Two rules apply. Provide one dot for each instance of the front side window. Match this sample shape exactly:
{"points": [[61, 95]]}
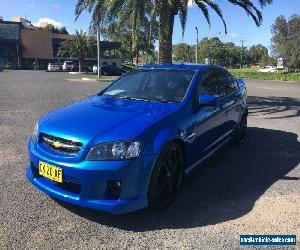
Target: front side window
{"points": [[227, 82], [210, 83], [152, 85]]}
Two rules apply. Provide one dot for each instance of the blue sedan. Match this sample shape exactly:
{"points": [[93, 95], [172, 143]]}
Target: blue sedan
{"points": [[129, 146]]}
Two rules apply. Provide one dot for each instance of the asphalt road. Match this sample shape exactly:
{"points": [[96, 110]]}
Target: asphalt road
{"points": [[248, 189]]}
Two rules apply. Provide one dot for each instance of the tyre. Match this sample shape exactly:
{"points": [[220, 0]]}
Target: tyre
{"points": [[241, 129], [166, 176]]}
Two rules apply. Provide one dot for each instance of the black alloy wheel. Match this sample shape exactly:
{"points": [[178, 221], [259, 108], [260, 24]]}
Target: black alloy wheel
{"points": [[166, 176]]}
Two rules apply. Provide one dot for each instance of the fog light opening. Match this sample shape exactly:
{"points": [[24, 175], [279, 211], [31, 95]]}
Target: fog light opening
{"points": [[114, 189]]}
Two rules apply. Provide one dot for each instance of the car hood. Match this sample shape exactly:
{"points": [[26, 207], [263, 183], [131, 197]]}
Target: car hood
{"points": [[99, 119]]}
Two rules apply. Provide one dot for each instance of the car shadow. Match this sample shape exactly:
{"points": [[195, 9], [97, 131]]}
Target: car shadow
{"points": [[223, 189]]}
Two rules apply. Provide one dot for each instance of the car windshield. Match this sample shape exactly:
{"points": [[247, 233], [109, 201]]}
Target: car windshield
{"points": [[152, 85]]}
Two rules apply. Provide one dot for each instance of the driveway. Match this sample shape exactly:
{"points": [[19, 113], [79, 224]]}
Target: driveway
{"points": [[248, 189]]}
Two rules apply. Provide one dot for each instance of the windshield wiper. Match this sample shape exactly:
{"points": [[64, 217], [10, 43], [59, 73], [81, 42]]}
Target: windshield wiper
{"points": [[161, 100], [124, 97], [140, 98]]}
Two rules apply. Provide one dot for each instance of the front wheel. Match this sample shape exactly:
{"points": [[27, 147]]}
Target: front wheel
{"points": [[166, 176]]}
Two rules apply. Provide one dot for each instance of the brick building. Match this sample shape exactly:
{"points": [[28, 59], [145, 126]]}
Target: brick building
{"points": [[22, 44]]}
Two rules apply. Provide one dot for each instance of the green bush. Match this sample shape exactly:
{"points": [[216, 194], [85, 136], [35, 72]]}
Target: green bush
{"points": [[282, 76]]}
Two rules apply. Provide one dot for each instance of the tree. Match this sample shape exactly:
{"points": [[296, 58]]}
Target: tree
{"points": [[257, 53], [78, 45], [184, 53], [133, 43], [135, 12], [50, 27], [213, 49], [63, 30], [166, 10], [232, 55], [228, 54], [286, 40]]}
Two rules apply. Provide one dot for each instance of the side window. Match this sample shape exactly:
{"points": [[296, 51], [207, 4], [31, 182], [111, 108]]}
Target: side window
{"points": [[228, 83], [209, 83]]}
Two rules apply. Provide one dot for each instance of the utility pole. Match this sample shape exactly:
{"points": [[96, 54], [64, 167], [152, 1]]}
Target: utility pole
{"points": [[241, 65], [197, 32], [98, 50]]}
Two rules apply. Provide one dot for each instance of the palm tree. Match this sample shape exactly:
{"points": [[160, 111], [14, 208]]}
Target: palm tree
{"points": [[166, 10], [112, 11], [78, 45]]}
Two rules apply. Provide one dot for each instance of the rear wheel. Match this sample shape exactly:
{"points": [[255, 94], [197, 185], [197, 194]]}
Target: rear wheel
{"points": [[241, 130], [166, 176]]}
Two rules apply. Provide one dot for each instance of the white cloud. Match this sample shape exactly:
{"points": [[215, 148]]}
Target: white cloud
{"points": [[57, 6], [50, 21], [191, 3], [234, 35], [31, 5]]}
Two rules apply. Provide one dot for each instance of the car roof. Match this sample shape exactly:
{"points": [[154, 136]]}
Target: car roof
{"points": [[174, 66]]}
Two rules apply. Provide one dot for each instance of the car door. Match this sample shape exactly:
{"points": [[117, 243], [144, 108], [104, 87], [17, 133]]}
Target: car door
{"points": [[230, 101], [209, 120]]}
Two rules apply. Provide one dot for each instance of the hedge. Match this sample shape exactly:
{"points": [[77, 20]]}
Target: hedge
{"points": [[282, 76]]}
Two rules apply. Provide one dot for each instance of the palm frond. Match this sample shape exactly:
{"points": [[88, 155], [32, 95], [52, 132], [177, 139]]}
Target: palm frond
{"points": [[204, 10], [250, 9], [183, 11], [217, 9], [98, 12], [264, 3], [81, 6]]}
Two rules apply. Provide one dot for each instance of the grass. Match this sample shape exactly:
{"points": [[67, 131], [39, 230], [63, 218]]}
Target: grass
{"points": [[254, 74]]}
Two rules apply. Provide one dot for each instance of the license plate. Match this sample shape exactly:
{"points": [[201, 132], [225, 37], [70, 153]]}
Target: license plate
{"points": [[51, 172]]}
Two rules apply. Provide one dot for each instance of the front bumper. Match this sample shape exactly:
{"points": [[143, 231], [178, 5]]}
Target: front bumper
{"points": [[85, 183]]}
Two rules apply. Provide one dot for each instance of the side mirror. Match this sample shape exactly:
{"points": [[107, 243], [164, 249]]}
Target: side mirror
{"points": [[208, 100]]}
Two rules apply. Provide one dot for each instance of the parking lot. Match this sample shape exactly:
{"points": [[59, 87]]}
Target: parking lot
{"points": [[248, 189]]}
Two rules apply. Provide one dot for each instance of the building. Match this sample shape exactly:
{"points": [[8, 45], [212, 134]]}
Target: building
{"points": [[25, 23], [36, 48], [22, 45], [10, 46]]}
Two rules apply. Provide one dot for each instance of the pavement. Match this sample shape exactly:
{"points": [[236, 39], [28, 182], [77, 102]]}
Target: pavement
{"points": [[248, 189]]}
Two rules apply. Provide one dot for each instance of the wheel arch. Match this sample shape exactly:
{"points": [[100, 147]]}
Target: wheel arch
{"points": [[165, 138]]}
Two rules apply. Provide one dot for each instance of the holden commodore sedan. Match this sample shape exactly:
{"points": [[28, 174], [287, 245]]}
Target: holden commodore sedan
{"points": [[129, 146]]}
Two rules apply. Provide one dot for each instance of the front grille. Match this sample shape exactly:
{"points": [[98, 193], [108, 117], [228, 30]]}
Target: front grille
{"points": [[60, 145]]}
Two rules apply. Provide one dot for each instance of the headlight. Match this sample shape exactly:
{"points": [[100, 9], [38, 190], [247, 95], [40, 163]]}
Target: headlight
{"points": [[35, 132], [114, 151]]}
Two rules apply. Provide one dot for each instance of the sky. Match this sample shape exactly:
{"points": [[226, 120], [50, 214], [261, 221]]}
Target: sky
{"points": [[240, 26]]}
